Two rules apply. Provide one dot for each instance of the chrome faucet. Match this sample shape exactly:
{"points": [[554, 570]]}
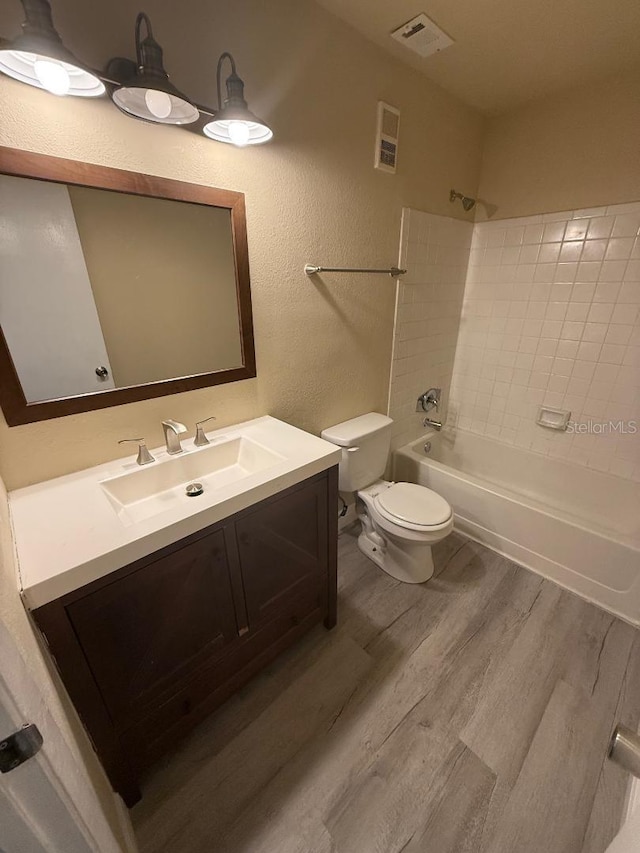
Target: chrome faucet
{"points": [[427, 401], [172, 432]]}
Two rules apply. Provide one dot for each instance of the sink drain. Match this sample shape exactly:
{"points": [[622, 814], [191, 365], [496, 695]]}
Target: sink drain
{"points": [[194, 489]]}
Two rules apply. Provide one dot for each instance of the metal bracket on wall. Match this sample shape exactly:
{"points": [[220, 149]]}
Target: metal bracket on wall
{"points": [[394, 272]]}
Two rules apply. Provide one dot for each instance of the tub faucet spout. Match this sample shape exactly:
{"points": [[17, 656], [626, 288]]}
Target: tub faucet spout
{"points": [[437, 425]]}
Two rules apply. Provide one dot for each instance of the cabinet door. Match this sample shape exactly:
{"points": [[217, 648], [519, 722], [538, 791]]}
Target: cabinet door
{"points": [[144, 632], [283, 551]]}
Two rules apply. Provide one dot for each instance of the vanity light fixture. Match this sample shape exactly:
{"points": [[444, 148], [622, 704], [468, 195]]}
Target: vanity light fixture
{"points": [[141, 89], [146, 91], [39, 58], [234, 122]]}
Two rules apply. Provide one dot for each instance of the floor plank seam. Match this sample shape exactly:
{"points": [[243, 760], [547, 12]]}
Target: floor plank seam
{"points": [[400, 722], [464, 544], [602, 645], [387, 627], [342, 707], [595, 791], [464, 645], [486, 811], [486, 837], [534, 602]]}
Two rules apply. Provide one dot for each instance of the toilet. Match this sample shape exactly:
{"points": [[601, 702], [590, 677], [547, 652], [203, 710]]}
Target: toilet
{"points": [[400, 521]]}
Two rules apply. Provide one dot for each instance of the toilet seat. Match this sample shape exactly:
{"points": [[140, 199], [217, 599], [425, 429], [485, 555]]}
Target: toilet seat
{"points": [[413, 507]]}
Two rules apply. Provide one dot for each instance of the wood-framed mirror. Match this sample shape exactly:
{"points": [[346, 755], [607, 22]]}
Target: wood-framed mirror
{"points": [[116, 287]]}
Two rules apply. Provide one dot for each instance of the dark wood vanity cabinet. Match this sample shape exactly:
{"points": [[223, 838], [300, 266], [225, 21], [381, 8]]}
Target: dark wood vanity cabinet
{"points": [[148, 651]]}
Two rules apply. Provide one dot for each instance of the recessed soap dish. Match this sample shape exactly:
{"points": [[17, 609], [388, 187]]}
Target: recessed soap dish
{"points": [[553, 418]]}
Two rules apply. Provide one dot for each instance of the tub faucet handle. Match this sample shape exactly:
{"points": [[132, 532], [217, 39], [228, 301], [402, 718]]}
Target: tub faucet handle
{"points": [[429, 400]]}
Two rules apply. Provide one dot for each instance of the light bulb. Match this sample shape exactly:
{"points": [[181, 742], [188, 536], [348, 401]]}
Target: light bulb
{"points": [[158, 103], [53, 76], [239, 132]]}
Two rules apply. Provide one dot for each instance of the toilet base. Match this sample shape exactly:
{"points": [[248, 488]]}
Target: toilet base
{"points": [[409, 564]]}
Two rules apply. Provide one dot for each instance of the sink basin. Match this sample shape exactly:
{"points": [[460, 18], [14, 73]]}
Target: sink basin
{"points": [[145, 492], [76, 529]]}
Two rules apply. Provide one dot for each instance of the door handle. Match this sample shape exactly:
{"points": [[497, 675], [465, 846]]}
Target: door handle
{"points": [[102, 372], [19, 747]]}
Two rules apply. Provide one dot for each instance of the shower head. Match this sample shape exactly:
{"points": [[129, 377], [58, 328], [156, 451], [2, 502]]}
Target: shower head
{"points": [[467, 202]]}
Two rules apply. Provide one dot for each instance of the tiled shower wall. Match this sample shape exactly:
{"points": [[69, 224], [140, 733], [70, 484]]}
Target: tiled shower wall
{"points": [[435, 252], [551, 315]]}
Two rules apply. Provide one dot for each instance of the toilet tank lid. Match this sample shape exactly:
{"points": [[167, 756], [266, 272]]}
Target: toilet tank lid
{"points": [[350, 433]]}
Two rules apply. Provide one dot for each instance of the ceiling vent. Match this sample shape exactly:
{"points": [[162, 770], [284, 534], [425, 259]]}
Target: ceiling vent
{"points": [[422, 36]]}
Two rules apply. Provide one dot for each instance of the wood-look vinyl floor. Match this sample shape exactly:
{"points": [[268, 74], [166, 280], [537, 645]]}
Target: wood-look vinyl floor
{"points": [[470, 714]]}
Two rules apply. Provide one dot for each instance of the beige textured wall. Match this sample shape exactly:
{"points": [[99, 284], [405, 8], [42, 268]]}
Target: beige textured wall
{"points": [[577, 149], [93, 804], [163, 279], [323, 348]]}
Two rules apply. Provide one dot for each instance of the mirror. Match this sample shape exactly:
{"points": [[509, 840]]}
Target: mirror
{"points": [[116, 287]]}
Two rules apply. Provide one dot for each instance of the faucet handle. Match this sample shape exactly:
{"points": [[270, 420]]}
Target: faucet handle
{"points": [[429, 400], [144, 457], [201, 439]]}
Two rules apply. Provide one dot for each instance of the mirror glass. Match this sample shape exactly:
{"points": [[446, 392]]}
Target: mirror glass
{"points": [[105, 290]]}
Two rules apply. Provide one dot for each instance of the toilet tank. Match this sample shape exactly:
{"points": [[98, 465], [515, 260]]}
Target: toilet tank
{"points": [[365, 443]]}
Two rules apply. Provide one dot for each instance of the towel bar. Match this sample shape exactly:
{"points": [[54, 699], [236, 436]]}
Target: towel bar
{"points": [[394, 272]]}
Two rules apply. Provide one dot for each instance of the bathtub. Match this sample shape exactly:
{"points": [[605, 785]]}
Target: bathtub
{"points": [[573, 525]]}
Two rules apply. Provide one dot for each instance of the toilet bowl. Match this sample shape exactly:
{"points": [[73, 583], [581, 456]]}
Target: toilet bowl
{"points": [[400, 521]]}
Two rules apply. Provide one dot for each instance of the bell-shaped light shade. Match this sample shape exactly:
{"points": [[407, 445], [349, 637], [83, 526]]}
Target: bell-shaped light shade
{"points": [[154, 104], [39, 58], [234, 122], [240, 131], [149, 94]]}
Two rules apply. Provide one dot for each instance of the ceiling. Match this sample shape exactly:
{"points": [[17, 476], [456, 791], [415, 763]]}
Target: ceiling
{"points": [[507, 52]]}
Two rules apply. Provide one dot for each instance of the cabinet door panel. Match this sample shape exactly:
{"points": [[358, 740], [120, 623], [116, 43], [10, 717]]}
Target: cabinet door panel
{"points": [[210, 685], [145, 631], [283, 550]]}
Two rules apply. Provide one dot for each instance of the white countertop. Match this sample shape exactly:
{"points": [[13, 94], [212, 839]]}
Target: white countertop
{"points": [[67, 533]]}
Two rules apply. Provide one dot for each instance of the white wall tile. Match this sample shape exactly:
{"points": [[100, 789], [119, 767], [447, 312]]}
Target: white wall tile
{"points": [[551, 313], [600, 227]]}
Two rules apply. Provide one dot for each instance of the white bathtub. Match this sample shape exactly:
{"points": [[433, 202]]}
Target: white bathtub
{"points": [[576, 526]]}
